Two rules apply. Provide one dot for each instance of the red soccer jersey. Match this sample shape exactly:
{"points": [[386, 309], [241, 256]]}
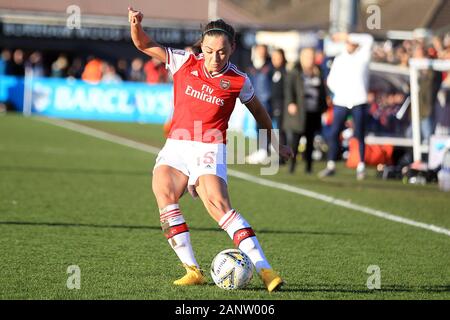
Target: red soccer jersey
{"points": [[203, 102]]}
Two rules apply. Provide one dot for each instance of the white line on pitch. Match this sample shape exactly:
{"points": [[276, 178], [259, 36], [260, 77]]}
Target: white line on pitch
{"points": [[244, 176]]}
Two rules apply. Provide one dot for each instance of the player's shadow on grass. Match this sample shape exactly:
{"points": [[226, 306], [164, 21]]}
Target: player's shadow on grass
{"points": [[379, 184], [339, 288], [158, 228], [89, 171]]}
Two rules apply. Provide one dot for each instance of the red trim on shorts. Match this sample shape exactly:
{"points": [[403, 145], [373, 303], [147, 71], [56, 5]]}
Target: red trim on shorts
{"points": [[242, 234], [174, 230]]}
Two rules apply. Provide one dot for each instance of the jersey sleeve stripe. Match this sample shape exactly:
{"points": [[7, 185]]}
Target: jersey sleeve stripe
{"points": [[252, 97], [167, 58], [234, 68]]}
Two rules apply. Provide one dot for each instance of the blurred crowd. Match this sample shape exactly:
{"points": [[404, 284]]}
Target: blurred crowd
{"points": [[399, 52], [296, 96], [92, 69], [302, 107], [387, 116]]}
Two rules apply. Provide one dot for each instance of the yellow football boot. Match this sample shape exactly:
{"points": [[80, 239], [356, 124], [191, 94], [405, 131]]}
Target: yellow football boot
{"points": [[194, 276], [271, 279]]}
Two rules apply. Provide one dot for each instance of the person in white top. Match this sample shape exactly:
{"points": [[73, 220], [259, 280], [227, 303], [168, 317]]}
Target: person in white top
{"points": [[348, 81]]}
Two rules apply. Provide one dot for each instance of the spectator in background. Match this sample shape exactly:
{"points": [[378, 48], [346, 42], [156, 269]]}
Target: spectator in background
{"points": [[446, 45], [260, 74], [408, 45], [383, 109], [305, 100], [18, 66], [321, 60], [348, 81], [5, 62], [75, 70], [443, 106], [92, 70], [402, 57], [109, 74], [429, 83], [59, 67], [34, 65], [155, 71], [5, 68], [122, 69], [277, 99], [137, 70]]}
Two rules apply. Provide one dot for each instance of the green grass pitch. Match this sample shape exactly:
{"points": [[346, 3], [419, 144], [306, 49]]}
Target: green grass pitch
{"points": [[70, 199]]}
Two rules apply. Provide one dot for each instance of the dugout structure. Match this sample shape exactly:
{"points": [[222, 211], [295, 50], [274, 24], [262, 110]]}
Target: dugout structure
{"points": [[412, 103]]}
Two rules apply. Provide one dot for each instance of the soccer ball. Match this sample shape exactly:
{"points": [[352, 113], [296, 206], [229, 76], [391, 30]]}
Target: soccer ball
{"points": [[231, 269]]}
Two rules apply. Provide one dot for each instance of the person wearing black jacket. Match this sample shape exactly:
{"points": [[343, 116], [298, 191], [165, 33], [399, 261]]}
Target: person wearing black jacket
{"points": [[305, 101], [277, 98]]}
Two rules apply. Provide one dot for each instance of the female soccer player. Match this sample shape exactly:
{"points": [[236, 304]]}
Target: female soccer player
{"points": [[206, 87]]}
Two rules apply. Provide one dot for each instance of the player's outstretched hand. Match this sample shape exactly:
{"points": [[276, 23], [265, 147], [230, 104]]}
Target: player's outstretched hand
{"points": [[286, 152], [134, 16]]}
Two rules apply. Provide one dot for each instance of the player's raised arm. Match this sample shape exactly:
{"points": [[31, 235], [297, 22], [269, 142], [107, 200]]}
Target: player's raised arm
{"points": [[141, 40]]}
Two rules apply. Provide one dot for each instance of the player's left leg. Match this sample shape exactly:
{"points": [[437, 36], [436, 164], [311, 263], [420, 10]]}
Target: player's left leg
{"points": [[359, 114], [214, 193], [313, 125], [294, 142]]}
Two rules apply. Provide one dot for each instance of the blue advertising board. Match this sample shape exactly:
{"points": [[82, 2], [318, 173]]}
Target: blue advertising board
{"points": [[11, 91], [125, 101], [75, 99]]}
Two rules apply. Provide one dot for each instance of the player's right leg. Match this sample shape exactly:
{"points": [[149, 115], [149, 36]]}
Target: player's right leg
{"points": [[213, 192], [339, 116], [168, 186], [359, 114]]}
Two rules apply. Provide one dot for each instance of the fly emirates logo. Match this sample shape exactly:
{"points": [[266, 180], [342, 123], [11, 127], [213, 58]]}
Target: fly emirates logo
{"points": [[205, 95]]}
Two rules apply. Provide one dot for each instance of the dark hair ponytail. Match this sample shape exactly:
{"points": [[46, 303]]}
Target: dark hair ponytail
{"points": [[216, 28]]}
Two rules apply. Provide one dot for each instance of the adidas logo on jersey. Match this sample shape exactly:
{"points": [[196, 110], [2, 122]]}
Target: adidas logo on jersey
{"points": [[195, 73]]}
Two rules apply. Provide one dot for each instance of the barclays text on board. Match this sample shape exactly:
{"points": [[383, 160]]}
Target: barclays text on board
{"points": [[77, 99], [121, 102], [126, 101]]}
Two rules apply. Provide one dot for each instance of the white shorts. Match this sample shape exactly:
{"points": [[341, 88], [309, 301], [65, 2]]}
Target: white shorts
{"points": [[194, 159]]}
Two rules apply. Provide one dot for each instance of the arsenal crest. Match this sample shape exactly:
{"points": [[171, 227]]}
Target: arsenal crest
{"points": [[225, 84]]}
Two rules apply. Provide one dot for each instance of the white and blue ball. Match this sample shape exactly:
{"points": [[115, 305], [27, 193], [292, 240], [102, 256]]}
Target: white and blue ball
{"points": [[231, 269]]}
